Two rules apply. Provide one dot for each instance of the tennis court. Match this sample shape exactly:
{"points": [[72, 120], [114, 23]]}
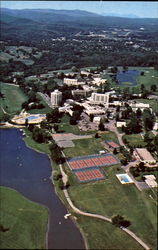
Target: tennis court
{"points": [[89, 175], [112, 144], [92, 161]]}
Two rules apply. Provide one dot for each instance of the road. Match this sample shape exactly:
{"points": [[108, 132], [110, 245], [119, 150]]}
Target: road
{"points": [[111, 126], [105, 218]]}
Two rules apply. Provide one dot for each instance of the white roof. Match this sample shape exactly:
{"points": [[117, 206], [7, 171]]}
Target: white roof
{"points": [[96, 119], [151, 183], [155, 126], [145, 154], [150, 177]]}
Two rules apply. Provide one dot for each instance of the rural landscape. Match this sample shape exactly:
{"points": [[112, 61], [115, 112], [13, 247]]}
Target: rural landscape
{"points": [[78, 130]]}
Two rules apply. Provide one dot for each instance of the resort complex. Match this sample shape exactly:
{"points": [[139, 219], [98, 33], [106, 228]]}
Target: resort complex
{"points": [[78, 128]]}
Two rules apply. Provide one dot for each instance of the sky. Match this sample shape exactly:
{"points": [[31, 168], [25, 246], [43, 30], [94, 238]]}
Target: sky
{"points": [[138, 8]]}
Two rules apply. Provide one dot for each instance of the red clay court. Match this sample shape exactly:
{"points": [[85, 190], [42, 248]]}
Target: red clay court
{"points": [[89, 175], [92, 161], [112, 144]]}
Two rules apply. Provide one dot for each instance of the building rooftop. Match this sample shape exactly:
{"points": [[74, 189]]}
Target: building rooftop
{"points": [[145, 154]]}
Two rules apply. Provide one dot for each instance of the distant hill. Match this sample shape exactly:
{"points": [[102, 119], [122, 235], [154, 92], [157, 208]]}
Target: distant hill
{"points": [[120, 15], [39, 24]]}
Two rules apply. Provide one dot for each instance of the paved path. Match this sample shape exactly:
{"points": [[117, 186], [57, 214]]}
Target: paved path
{"points": [[129, 232], [77, 210], [139, 184], [111, 126], [46, 98]]}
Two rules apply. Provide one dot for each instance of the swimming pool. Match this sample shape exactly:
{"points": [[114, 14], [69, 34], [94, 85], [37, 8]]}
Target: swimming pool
{"points": [[32, 117], [128, 76], [124, 178]]}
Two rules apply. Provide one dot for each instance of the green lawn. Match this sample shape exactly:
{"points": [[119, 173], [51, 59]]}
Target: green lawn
{"points": [[89, 146], [41, 147], [109, 198], [13, 98], [25, 220], [135, 140], [102, 235], [150, 77], [45, 110]]}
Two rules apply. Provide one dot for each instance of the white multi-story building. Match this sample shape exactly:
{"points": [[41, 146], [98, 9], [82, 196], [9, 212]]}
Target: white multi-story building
{"points": [[56, 98], [97, 98], [72, 82]]}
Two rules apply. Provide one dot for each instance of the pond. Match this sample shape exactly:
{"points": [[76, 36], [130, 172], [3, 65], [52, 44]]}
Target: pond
{"points": [[28, 172], [129, 76]]}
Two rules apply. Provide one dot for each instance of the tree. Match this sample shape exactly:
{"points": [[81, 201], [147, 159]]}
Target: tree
{"points": [[53, 116], [74, 69], [61, 184], [101, 126], [142, 88], [56, 127], [148, 119], [134, 126], [96, 135], [119, 221], [26, 122], [91, 117], [153, 87], [56, 153], [138, 112]]}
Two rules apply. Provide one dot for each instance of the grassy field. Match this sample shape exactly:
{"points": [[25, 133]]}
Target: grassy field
{"points": [[25, 220], [13, 98], [45, 110], [109, 198], [134, 140], [89, 146], [102, 235], [41, 147], [150, 77]]}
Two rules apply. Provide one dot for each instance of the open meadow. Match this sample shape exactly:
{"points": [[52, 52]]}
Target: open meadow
{"points": [[23, 222]]}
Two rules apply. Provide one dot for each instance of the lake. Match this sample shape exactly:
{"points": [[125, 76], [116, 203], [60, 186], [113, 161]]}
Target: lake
{"points": [[128, 76], [24, 170]]}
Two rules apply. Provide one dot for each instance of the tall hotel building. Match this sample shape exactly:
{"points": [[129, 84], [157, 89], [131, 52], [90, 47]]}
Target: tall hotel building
{"points": [[56, 98], [97, 98]]}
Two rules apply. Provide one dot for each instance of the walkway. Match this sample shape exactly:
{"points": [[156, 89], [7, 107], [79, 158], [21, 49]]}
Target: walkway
{"points": [[77, 210], [139, 184], [111, 126]]}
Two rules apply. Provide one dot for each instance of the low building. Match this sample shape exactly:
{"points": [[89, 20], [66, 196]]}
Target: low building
{"points": [[97, 119], [155, 126], [144, 155], [79, 92], [72, 82], [98, 81], [150, 180], [56, 98], [120, 124], [142, 106]]}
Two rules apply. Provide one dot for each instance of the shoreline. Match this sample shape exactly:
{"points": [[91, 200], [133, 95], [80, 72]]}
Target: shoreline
{"points": [[67, 207]]}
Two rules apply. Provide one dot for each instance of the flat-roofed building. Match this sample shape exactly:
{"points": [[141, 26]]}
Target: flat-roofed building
{"points": [[72, 82], [97, 98], [56, 98], [150, 180], [120, 124], [142, 106], [155, 126], [144, 155]]}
